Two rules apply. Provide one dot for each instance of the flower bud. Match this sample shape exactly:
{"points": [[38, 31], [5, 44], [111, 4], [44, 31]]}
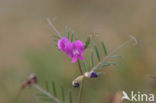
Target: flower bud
{"points": [[76, 82], [32, 79], [91, 74]]}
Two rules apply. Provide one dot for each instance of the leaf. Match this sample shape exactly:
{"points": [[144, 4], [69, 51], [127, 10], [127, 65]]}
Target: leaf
{"points": [[47, 85], [99, 73], [55, 36], [104, 64], [92, 59], [115, 56], [104, 48], [87, 43], [63, 95], [55, 40], [42, 95], [85, 67], [100, 67], [68, 35], [97, 53], [72, 35], [45, 95], [47, 99], [54, 88], [65, 30], [70, 97], [108, 63]]}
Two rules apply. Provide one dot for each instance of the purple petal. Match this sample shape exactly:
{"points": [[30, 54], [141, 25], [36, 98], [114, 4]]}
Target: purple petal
{"points": [[62, 43], [76, 85], [80, 58], [73, 50], [79, 45], [69, 50], [93, 75], [74, 59]]}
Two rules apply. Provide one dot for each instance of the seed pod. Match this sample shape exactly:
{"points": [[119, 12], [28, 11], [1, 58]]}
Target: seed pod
{"points": [[32, 79], [91, 74], [76, 82]]}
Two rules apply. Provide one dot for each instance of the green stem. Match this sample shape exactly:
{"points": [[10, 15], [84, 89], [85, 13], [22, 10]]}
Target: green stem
{"points": [[80, 69], [81, 85], [18, 95], [80, 92], [53, 27], [115, 50], [46, 93]]}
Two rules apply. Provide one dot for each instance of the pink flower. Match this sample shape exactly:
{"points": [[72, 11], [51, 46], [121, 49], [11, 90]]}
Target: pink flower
{"points": [[62, 43], [73, 50]]}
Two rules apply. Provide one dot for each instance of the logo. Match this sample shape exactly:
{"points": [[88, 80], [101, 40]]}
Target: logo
{"points": [[137, 97]]}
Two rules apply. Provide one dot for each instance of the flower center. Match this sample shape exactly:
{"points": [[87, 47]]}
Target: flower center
{"points": [[75, 51]]}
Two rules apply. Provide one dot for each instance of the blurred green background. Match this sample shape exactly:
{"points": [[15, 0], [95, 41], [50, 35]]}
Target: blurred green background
{"points": [[26, 45]]}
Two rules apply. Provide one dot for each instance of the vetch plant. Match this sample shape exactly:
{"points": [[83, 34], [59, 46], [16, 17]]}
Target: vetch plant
{"points": [[75, 49]]}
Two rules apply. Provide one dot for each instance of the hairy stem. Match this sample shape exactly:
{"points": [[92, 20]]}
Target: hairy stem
{"points": [[115, 50], [80, 69], [53, 27], [18, 95], [80, 92], [46, 93], [81, 85]]}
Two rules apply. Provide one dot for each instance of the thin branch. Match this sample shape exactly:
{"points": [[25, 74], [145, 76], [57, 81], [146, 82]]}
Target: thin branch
{"points": [[46, 93], [18, 95], [81, 87], [32, 79], [115, 50], [80, 69], [53, 27], [80, 92]]}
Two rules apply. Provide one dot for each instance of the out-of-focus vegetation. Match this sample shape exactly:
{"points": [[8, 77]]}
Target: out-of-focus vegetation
{"points": [[26, 45]]}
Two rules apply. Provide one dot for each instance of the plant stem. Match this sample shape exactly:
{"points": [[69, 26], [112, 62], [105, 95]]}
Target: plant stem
{"points": [[18, 95], [46, 93], [80, 92], [53, 27], [80, 69], [81, 85], [115, 50]]}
